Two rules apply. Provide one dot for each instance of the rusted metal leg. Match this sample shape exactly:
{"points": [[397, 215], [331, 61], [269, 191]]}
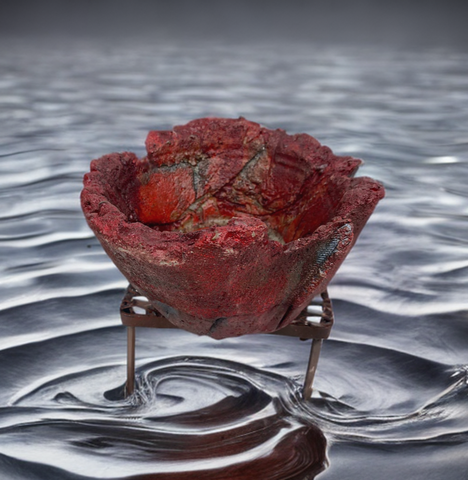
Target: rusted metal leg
{"points": [[130, 386], [301, 328], [311, 367]]}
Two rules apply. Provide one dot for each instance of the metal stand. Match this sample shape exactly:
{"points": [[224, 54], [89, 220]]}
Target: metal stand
{"points": [[301, 328]]}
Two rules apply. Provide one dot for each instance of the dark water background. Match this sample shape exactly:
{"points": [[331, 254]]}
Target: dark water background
{"points": [[391, 397]]}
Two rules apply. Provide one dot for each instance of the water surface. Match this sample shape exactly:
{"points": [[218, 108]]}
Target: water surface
{"points": [[391, 389]]}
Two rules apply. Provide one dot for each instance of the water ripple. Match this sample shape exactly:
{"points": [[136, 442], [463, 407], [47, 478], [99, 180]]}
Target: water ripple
{"points": [[189, 416], [391, 382]]}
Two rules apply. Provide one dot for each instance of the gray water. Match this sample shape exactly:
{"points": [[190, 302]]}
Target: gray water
{"points": [[391, 398]]}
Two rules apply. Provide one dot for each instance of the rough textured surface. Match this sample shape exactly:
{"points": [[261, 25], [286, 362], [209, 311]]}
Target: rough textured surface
{"points": [[227, 227]]}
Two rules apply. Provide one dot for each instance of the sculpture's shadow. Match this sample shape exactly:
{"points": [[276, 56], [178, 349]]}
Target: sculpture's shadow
{"points": [[213, 419]]}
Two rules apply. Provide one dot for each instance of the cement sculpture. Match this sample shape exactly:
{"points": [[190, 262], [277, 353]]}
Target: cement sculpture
{"points": [[227, 227]]}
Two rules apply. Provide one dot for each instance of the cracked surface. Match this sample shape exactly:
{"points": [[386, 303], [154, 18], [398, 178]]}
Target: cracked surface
{"points": [[206, 172], [228, 227]]}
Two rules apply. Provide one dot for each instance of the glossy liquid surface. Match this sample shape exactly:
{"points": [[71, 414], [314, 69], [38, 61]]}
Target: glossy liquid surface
{"points": [[391, 388]]}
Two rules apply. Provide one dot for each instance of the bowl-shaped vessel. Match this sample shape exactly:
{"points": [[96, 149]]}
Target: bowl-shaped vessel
{"points": [[226, 226]]}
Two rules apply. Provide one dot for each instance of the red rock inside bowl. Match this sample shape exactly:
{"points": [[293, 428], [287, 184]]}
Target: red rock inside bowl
{"points": [[228, 227]]}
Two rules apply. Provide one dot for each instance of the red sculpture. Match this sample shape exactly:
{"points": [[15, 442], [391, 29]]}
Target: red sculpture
{"points": [[227, 227]]}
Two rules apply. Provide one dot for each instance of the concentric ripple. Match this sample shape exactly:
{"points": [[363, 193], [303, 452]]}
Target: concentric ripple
{"points": [[391, 386], [189, 418]]}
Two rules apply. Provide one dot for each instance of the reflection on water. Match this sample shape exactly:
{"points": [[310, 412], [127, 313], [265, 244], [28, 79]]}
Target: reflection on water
{"points": [[195, 417], [391, 388]]}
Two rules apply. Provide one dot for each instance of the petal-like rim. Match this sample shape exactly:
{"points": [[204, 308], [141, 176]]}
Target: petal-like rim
{"points": [[314, 257]]}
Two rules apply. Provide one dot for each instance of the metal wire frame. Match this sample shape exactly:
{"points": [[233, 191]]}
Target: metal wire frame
{"points": [[300, 328]]}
